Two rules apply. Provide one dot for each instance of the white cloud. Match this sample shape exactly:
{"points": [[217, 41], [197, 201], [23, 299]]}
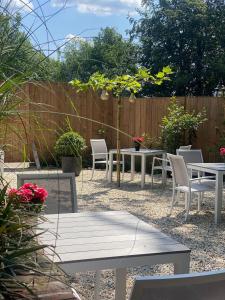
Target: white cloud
{"points": [[72, 37], [20, 5], [101, 7]]}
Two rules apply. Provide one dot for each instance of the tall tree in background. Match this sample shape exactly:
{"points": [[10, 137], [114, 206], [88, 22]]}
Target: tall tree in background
{"points": [[188, 35], [108, 53], [17, 54]]}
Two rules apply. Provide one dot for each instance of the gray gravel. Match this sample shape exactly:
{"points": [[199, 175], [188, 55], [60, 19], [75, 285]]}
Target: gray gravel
{"points": [[206, 240]]}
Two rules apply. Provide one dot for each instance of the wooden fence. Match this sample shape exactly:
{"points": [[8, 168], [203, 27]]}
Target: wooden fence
{"points": [[49, 105]]}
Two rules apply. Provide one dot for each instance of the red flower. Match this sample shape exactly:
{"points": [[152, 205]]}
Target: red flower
{"points": [[138, 139], [29, 193], [222, 151], [41, 194]]}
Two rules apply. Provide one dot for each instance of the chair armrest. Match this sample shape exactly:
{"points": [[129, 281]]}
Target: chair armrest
{"points": [[161, 159], [199, 178]]}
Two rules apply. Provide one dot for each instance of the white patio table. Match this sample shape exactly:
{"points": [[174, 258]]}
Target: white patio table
{"points": [[94, 241], [143, 153], [219, 170]]}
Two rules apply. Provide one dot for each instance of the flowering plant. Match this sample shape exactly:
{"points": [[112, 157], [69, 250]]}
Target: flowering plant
{"points": [[30, 194], [222, 151], [138, 139]]}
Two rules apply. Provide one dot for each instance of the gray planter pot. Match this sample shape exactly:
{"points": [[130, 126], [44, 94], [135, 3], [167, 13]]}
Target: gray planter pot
{"points": [[71, 165]]}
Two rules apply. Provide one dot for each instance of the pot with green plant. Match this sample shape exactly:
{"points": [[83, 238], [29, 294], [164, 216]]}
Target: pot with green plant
{"points": [[69, 147]]}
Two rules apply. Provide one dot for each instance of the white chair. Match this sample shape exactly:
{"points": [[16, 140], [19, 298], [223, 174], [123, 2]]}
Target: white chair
{"points": [[195, 286], [188, 147], [2, 160], [100, 155], [164, 164], [194, 156], [191, 156], [182, 183]]}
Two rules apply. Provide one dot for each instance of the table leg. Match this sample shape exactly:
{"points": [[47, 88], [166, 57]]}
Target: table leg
{"points": [[143, 166], [219, 196], [164, 174], [110, 167], [182, 263], [132, 166], [97, 285], [120, 293]]}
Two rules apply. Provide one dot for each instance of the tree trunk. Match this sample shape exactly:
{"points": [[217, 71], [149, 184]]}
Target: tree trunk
{"points": [[118, 141]]}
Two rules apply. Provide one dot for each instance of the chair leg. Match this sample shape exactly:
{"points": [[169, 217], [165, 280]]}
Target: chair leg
{"points": [[123, 166], [173, 200], [107, 169], [188, 206], [185, 201], [199, 201], [93, 169], [152, 173], [178, 196]]}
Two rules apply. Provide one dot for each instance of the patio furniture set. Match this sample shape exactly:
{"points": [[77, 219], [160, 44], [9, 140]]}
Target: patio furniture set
{"points": [[95, 241]]}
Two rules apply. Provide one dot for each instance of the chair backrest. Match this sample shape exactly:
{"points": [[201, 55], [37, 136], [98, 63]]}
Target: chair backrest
{"points": [[2, 161], [179, 169], [195, 286], [61, 188], [191, 156], [99, 148], [188, 147]]}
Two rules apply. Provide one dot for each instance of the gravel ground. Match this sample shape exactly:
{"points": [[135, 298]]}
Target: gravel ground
{"points": [[206, 240]]}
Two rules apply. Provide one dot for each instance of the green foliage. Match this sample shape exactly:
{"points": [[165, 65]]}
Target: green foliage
{"points": [[18, 247], [108, 53], [186, 35], [179, 127], [70, 144], [122, 84], [151, 142], [17, 54]]}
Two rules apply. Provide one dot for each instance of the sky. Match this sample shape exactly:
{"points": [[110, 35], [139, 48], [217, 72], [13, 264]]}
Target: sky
{"points": [[66, 19]]}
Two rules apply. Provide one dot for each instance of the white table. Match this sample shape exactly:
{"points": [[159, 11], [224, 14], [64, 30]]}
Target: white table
{"points": [[143, 153], [93, 241], [219, 170]]}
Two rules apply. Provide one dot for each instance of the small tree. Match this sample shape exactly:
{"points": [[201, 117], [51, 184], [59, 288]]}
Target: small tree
{"points": [[179, 126], [121, 86]]}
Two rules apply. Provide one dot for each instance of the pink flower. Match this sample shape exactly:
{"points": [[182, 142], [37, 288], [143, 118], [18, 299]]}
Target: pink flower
{"points": [[40, 194], [138, 139], [29, 193], [222, 151], [12, 193]]}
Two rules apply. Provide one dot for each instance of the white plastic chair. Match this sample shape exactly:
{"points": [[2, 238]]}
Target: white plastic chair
{"points": [[164, 164], [187, 147], [182, 183], [2, 160], [192, 156], [195, 286], [100, 155]]}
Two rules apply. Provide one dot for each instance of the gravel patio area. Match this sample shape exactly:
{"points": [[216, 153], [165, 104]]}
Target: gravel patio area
{"points": [[206, 240]]}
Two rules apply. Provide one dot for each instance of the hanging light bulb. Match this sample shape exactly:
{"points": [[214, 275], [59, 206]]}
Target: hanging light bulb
{"points": [[132, 98], [104, 95]]}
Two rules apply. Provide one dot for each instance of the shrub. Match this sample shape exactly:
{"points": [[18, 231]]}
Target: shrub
{"points": [[18, 247], [180, 127], [70, 144]]}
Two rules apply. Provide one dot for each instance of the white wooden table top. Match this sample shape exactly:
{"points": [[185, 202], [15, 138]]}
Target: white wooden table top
{"points": [[104, 235], [141, 151], [212, 166]]}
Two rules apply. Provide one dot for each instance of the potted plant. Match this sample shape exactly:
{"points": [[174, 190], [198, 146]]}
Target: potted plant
{"points": [[69, 148]]}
